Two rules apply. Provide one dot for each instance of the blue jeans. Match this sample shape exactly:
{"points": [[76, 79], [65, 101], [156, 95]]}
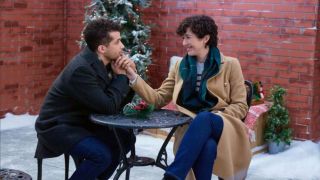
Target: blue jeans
{"points": [[198, 148], [99, 160], [100, 154]]}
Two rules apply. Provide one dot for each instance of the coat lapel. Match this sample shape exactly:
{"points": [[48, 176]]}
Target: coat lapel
{"points": [[177, 90], [101, 70], [97, 65]]}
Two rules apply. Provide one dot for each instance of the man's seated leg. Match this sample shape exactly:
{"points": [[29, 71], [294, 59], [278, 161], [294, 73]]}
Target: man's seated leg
{"points": [[97, 157], [128, 140], [107, 173]]}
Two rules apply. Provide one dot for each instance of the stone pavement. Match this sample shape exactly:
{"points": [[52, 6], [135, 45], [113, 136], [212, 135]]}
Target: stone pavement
{"points": [[17, 148]]}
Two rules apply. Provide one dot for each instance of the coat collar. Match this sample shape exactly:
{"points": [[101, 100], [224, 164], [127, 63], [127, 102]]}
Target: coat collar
{"points": [[92, 58], [180, 81]]}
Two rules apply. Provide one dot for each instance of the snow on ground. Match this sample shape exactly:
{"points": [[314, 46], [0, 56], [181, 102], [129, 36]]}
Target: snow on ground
{"points": [[12, 121], [300, 161]]}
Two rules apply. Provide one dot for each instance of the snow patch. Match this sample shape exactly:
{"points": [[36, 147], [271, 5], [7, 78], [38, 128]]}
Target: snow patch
{"points": [[16, 121]]}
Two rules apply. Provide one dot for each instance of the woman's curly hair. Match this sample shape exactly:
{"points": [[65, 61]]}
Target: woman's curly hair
{"points": [[200, 25]]}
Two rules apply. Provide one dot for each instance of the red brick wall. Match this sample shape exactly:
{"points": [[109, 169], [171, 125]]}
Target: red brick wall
{"points": [[36, 40], [75, 16], [316, 87], [275, 41], [31, 52]]}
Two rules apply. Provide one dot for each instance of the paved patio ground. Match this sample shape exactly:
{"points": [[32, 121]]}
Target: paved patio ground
{"points": [[17, 146]]}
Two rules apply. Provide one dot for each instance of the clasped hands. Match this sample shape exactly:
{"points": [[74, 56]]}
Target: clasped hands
{"points": [[124, 65]]}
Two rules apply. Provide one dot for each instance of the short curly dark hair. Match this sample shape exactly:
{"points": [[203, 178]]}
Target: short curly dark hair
{"points": [[97, 32], [200, 25]]}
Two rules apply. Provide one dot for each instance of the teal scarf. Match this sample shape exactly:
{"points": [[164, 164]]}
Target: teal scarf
{"points": [[189, 97]]}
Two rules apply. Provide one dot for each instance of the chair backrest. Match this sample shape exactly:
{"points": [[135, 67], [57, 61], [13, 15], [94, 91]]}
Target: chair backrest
{"points": [[173, 61], [249, 89]]}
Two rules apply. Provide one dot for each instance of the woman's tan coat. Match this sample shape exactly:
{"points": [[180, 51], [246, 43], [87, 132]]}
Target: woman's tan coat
{"points": [[234, 155]]}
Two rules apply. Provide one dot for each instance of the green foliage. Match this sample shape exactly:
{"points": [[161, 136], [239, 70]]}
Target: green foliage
{"points": [[139, 109], [256, 95], [277, 127], [134, 33]]}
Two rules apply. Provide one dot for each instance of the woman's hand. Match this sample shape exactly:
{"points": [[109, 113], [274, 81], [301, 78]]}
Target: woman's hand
{"points": [[131, 74]]}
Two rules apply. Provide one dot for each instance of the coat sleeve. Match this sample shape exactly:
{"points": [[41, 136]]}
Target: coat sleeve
{"points": [[238, 106], [158, 97], [84, 87]]}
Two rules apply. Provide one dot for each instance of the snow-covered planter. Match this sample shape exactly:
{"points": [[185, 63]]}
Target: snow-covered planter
{"points": [[274, 147], [277, 132]]}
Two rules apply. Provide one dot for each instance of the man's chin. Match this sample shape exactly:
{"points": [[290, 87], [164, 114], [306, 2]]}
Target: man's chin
{"points": [[114, 59]]}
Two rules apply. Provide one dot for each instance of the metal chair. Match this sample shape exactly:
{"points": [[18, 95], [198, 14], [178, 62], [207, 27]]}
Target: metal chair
{"points": [[249, 89], [66, 165]]}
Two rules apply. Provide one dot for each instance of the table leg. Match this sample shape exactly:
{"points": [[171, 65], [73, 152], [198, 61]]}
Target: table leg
{"points": [[124, 165], [162, 162], [128, 174]]}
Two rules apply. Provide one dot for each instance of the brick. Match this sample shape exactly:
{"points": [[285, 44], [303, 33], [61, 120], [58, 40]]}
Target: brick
{"points": [[283, 8], [302, 136], [26, 48], [306, 9], [299, 98], [11, 86], [299, 83], [11, 24], [280, 81], [240, 20], [164, 4], [231, 13], [300, 69], [184, 4], [20, 5], [307, 92], [256, 7]]}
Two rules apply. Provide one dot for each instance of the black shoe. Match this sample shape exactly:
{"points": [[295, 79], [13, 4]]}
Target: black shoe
{"points": [[168, 177]]}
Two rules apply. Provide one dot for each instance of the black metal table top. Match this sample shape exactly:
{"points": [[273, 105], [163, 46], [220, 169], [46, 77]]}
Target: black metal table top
{"points": [[157, 119]]}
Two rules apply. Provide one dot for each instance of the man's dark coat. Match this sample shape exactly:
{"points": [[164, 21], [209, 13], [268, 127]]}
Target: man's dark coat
{"points": [[85, 86]]}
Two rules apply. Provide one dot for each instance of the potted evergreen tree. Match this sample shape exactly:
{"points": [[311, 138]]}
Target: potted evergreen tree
{"points": [[277, 132]]}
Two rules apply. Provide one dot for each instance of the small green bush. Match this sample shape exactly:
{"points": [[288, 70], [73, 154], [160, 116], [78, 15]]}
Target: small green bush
{"points": [[277, 126]]}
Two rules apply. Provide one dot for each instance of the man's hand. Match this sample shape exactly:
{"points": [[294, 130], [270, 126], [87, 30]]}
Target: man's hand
{"points": [[124, 61], [116, 66], [117, 69]]}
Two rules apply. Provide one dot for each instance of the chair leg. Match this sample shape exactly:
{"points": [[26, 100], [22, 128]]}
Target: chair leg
{"points": [[66, 165], [39, 161]]}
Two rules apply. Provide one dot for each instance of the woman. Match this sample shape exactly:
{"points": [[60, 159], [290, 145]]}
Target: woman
{"points": [[208, 87]]}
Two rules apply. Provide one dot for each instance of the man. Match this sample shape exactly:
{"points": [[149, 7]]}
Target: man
{"points": [[91, 83]]}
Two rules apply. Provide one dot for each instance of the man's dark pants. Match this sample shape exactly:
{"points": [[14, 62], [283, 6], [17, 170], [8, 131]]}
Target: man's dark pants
{"points": [[100, 154]]}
